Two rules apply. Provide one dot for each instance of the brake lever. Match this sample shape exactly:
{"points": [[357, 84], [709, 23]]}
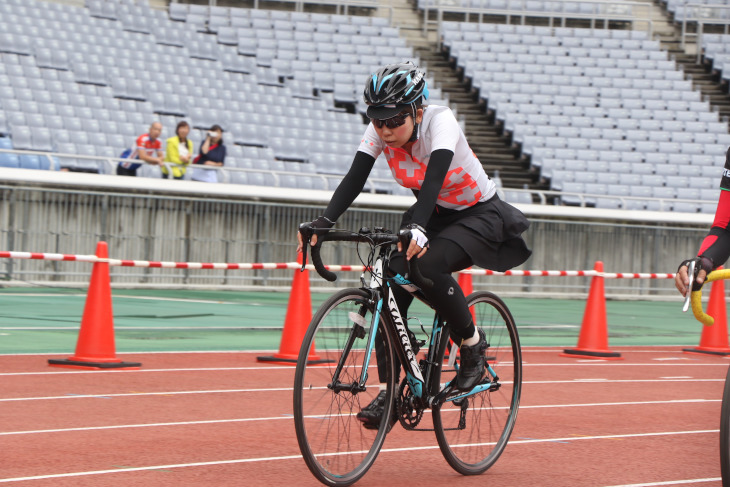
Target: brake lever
{"points": [[304, 256], [414, 273], [691, 274], [306, 232]]}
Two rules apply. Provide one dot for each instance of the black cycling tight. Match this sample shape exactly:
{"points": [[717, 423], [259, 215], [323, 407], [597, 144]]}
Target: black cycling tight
{"points": [[442, 258], [438, 263]]}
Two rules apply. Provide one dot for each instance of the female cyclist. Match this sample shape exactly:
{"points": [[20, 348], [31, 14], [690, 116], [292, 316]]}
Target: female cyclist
{"points": [[457, 221]]}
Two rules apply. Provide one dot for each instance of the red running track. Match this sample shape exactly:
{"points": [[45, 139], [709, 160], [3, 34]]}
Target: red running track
{"points": [[223, 419]]}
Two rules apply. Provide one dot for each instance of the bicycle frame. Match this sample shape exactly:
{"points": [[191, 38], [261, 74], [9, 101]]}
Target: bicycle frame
{"points": [[382, 295], [466, 429]]}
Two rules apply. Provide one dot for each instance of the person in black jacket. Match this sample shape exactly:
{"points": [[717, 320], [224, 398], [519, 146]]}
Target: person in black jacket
{"points": [[212, 153]]}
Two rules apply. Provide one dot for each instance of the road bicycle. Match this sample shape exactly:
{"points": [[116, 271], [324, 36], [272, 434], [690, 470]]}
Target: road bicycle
{"points": [[707, 320], [338, 374]]}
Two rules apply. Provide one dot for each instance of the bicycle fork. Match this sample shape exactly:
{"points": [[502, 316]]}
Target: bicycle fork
{"points": [[357, 331]]}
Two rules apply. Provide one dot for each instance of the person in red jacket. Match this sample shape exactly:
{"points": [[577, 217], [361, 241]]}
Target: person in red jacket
{"points": [[147, 148], [715, 248]]}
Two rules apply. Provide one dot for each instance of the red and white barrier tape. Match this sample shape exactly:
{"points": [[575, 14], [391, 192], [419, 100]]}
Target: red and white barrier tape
{"points": [[170, 265], [295, 265], [591, 273], [49, 256]]}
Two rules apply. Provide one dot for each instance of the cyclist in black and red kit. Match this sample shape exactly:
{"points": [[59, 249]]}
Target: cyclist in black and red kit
{"points": [[715, 248]]}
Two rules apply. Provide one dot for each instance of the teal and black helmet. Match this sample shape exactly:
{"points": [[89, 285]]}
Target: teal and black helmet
{"points": [[394, 87]]}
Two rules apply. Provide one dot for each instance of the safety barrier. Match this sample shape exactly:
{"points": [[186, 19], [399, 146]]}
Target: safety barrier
{"points": [[95, 347], [294, 265]]}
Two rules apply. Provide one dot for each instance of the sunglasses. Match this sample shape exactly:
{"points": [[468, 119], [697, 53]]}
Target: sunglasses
{"points": [[392, 122]]}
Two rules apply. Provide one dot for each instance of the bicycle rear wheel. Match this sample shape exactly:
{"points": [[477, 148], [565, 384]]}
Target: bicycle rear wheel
{"points": [[335, 445], [473, 434], [725, 433]]}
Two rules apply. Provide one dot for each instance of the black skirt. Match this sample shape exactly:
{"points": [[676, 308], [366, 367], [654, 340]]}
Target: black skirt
{"points": [[490, 232]]}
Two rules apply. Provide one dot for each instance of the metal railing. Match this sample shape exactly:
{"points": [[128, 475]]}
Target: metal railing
{"points": [[169, 227], [341, 6], [604, 12], [702, 15], [539, 196], [109, 164]]}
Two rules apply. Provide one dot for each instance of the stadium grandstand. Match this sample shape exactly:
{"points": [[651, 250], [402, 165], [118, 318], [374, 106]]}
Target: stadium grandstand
{"points": [[85, 80], [620, 106]]}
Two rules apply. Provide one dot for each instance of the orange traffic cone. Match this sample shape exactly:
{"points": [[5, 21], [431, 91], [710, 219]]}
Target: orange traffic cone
{"points": [[95, 347], [714, 339], [593, 338], [298, 316]]}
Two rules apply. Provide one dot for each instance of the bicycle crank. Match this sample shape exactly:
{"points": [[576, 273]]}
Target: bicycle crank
{"points": [[407, 408]]}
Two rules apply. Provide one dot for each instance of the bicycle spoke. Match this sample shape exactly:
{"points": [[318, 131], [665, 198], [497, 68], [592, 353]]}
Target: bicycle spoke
{"points": [[335, 445], [474, 430]]}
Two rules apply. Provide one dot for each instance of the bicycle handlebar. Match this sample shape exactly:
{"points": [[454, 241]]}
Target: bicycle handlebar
{"points": [[364, 236], [696, 298]]}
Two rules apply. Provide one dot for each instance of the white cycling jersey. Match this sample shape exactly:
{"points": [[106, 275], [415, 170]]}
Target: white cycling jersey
{"points": [[466, 182]]}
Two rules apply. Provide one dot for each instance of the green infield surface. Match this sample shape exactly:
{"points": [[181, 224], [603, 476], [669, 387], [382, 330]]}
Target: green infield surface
{"points": [[47, 320]]}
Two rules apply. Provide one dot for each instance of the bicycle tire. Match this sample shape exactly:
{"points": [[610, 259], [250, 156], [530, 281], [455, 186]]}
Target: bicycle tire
{"points": [[725, 433], [489, 416], [335, 445]]}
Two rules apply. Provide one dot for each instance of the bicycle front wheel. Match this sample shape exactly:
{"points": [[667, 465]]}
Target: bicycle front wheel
{"points": [[336, 446], [473, 433], [725, 433]]}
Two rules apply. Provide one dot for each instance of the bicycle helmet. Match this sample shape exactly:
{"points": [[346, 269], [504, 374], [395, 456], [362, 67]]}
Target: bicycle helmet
{"points": [[393, 88]]}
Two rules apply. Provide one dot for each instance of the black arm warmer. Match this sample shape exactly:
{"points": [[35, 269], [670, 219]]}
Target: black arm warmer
{"points": [[433, 181], [719, 250], [350, 186]]}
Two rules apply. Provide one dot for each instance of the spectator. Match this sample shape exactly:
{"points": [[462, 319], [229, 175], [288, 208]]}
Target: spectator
{"points": [[179, 151], [212, 153], [147, 148]]}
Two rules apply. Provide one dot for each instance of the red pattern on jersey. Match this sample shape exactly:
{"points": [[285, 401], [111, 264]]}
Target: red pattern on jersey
{"points": [[407, 171], [461, 188]]}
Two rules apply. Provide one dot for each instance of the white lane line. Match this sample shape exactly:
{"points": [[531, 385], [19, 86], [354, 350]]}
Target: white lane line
{"points": [[671, 482], [140, 394], [623, 403], [289, 416], [193, 369], [127, 296], [291, 368], [385, 450], [613, 381], [289, 389], [147, 425], [664, 349]]}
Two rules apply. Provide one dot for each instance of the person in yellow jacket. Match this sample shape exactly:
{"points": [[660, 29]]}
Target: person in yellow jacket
{"points": [[179, 151]]}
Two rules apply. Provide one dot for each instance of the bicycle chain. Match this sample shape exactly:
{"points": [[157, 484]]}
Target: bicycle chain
{"points": [[409, 414]]}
